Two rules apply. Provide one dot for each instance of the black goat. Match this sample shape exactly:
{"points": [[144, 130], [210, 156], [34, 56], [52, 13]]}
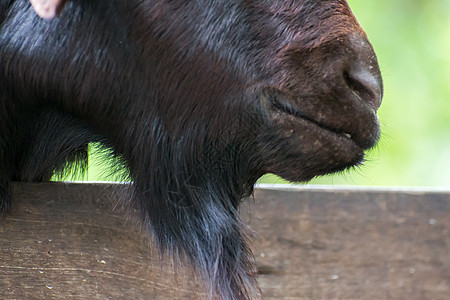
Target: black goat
{"points": [[197, 98]]}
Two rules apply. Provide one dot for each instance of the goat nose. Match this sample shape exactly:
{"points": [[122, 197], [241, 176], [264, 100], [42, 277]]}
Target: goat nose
{"points": [[366, 83], [362, 73]]}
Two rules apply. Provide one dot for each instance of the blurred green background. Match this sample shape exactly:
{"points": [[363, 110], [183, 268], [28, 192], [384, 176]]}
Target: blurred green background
{"points": [[412, 41]]}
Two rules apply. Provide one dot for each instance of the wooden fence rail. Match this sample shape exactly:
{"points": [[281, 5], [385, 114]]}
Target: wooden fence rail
{"points": [[66, 241]]}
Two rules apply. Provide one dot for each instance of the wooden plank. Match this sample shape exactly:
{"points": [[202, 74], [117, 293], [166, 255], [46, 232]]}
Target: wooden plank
{"points": [[353, 245], [65, 241]]}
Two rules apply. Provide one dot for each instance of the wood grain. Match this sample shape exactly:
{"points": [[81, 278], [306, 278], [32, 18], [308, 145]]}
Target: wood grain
{"points": [[72, 241]]}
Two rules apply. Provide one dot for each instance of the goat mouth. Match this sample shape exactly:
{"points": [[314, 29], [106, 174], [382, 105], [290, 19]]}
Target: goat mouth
{"points": [[282, 105], [295, 113]]}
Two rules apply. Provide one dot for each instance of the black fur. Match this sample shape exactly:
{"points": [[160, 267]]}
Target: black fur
{"points": [[197, 98]]}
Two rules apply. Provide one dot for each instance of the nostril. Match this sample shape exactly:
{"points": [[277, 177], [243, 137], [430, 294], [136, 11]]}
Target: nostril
{"points": [[365, 85]]}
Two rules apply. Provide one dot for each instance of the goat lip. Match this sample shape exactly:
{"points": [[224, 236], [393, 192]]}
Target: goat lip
{"points": [[284, 107], [338, 137]]}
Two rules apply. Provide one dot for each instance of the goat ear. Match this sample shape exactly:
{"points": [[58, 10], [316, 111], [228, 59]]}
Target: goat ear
{"points": [[48, 9]]}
